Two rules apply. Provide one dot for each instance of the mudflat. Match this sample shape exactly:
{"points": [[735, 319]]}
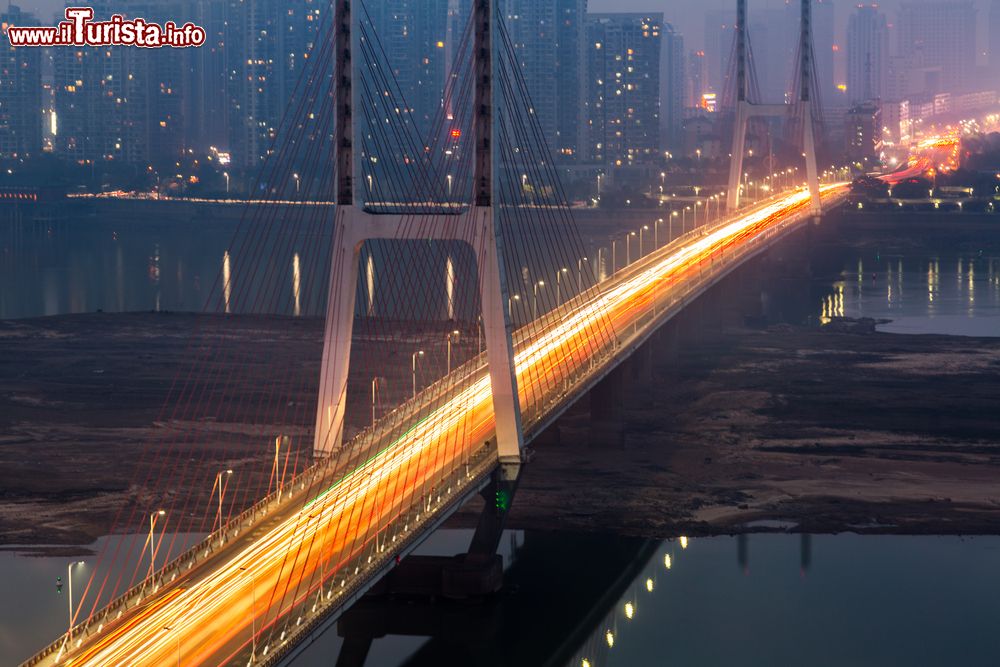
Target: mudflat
{"points": [[732, 429]]}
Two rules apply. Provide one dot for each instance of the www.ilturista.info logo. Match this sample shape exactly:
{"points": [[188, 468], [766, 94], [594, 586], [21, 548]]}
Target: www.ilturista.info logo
{"points": [[79, 29]]}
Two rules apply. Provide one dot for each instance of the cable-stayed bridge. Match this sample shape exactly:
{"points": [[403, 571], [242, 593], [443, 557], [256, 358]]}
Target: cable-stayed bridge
{"points": [[292, 545]]}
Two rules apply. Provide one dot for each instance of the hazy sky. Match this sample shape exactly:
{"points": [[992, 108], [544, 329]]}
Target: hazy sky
{"points": [[687, 15]]}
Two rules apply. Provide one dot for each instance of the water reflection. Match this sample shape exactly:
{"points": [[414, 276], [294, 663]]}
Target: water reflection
{"points": [[967, 305], [227, 281], [297, 285]]}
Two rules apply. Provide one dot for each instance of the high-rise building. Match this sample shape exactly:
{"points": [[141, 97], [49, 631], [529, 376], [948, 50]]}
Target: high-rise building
{"points": [[673, 84], [863, 130], [823, 21], [720, 31], [571, 76], [937, 40], [413, 34], [624, 87], [101, 101], [697, 79], [267, 43], [867, 54], [548, 40], [20, 93]]}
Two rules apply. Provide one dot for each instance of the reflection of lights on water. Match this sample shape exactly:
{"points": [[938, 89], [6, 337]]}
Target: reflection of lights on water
{"points": [[930, 282], [296, 284], [667, 563], [629, 610], [449, 277], [649, 585], [370, 283], [972, 285], [227, 285], [684, 542], [610, 638], [833, 305]]}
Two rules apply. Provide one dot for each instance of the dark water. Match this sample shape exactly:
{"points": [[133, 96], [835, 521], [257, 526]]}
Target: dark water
{"points": [[940, 291], [752, 600]]}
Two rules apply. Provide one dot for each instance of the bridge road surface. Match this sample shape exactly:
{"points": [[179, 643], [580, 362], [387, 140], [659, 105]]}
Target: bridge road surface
{"points": [[209, 611]]}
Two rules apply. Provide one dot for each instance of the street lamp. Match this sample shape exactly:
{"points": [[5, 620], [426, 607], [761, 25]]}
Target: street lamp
{"points": [[253, 615], [599, 187], [534, 302], [296, 177], [375, 385], [628, 248], [684, 219], [152, 552], [579, 274], [178, 638], [510, 305], [559, 275], [449, 178], [670, 226], [656, 233], [69, 579], [644, 228], [226, 175], [418, 353], [696, 205], [218, 484], [452, 336]]}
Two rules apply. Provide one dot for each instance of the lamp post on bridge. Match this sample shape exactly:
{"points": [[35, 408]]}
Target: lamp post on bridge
{"points": [[177, 637], [670, 226], [697, 204], [297, 179], [614, 256], [377, 381], [418, 353], [510, 305], [225, 175], [534, 301], [579, 274], [644, 228], [453, 336], [152, 551], [656, 233], [559, 275], [253, 615], [69, 580], [218, 484], [628, 248]]}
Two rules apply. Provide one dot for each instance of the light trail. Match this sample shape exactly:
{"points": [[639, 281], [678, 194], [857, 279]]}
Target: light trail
{"points": [[210, 619]]}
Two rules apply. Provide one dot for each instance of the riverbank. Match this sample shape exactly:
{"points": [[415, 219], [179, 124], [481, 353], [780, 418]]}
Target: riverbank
{"points": [[826, 429]]}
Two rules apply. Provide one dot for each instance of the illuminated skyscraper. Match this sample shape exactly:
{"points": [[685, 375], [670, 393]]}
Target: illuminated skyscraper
{"points": [[937, 45], [624, 87], [20, 93], [867, 54]]}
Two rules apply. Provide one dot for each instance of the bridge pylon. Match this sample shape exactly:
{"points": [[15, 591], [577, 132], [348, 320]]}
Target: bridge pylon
{"points": [[478, 227], [745, 109]]}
